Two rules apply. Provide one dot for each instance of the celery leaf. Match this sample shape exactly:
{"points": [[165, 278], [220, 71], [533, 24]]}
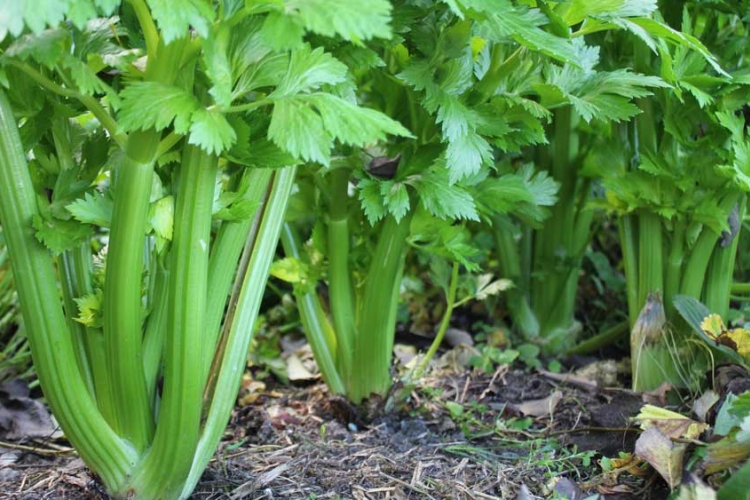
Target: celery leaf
{"points": [[94, 208], [211, 131], [148, 105], [177, 17], [309, 70]]}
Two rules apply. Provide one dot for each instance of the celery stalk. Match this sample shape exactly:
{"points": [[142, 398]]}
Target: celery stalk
{"points": [[111, 457], [232, 352]]}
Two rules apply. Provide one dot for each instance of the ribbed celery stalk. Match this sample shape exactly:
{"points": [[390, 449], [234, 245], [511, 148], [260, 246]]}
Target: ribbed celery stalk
{"points": [[317, 326], [508, 250], [343, 299], [718, 286], [225, 253], [558, 246], [122, 291], [232, 352], [373, 347], [165, 467], [66, 391]]}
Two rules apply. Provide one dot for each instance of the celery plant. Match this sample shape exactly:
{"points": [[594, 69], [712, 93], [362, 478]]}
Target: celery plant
{"points": [[681, 190], [588, 99], [146, 162], [445, 78]]}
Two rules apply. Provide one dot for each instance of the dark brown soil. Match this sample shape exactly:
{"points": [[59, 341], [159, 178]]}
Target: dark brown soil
{"points": [[454, 439]]}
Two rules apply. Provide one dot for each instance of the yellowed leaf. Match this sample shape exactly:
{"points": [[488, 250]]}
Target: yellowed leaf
{"points": [[741, 340], [713, 326], [671, 424], [665, 456]]}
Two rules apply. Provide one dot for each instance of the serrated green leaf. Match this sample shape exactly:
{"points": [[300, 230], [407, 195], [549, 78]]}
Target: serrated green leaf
{"points": [[372, 200], [148, 105], [349, 19], [241, 209], [289, 269], [266, 73], [36, 14], [281, 32], [352, 124], [94, 208], [261, 153], [211, 131], [466, 154], [60, 235], [218, 65], [176, 18], [89, 309], [442, 199], [396, 199], [299, 130], [309, 70], [161, 220], [523, 25], [47, 47]]}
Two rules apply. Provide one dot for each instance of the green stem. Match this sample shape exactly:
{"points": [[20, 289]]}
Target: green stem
{"points": [[717, 287], [450, 303], [225, 253], [122, 291], [156, 328], [342, 297], [700, 255], [165, 467], [64, 387], [673, 269], [318, 329], [231, 354], [603, 339], [148, 27], [629, 246], [510, 267], [91, 103], [650, 257], [373, 346], [71, 289]]}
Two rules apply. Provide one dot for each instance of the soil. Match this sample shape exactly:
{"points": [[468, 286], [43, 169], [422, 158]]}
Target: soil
{"points": [[511, 434]]}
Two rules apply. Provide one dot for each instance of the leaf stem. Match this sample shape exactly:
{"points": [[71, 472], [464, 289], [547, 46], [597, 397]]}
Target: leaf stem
{"points": [[444, 323], [240, 108], [150, 33]]}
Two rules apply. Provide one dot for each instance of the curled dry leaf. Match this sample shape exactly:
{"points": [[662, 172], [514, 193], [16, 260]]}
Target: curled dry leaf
{"points": [[665, 456], [539, 407], [703, 404]]}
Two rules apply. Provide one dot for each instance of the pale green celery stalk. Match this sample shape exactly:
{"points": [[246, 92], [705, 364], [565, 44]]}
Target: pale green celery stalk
{"points": [[122, 291], [166, 465], [156, 328], [231, 354], [650, 256], [553, 295], [373, 347], [121, 309], [315, 323], [510, 267], [76, 274], [73, 280], [673, 267], [629, 247], [69, 288], [342, 296], [66, 391], [225, 254], [695, 277], [718, 286]]}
